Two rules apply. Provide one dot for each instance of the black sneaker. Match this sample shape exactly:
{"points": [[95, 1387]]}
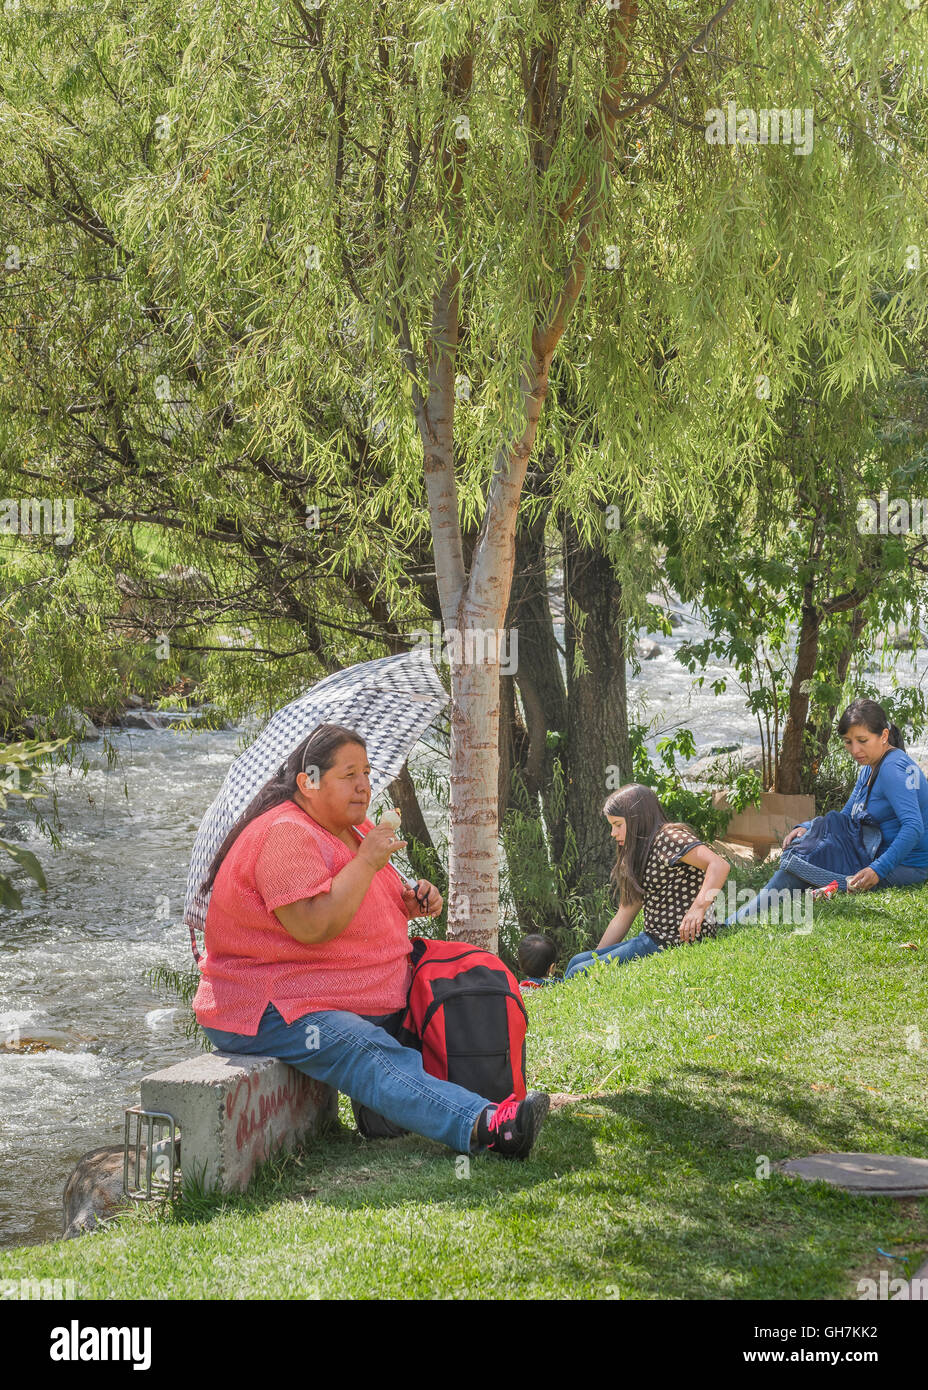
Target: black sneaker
{"points": [[512, 1127], [373, 1126]]}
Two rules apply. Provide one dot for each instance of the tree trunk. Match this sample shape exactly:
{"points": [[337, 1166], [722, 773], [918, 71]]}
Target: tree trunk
{"points": [[421, 851], [473, 856], [599, 756], [478, 602], [789, 766], [511, 743], [512, 749], [539, 678], [823, 730]]}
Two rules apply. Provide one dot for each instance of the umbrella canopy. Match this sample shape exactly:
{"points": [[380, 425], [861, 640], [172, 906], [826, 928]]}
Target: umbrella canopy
{"points": [[390, 702]]}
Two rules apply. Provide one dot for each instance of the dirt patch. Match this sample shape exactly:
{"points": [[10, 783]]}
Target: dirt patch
{"points": [[561, 1098], [916, 1260]]}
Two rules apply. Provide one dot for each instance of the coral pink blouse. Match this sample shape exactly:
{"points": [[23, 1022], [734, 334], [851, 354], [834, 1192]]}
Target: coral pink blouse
{"points": [[250, 960]]}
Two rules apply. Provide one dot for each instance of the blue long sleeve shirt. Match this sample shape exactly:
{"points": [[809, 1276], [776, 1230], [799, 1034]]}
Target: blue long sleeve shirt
{"points": [[899, 806]]}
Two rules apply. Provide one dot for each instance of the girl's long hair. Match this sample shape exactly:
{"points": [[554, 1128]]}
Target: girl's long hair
{"points": [[644, 819], [317, 751], [873, 717]]}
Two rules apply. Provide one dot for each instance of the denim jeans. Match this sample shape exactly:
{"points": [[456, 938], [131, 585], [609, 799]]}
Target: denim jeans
{"points": [[369, 1124], [363, 1061], [797, 873], [640, 945]]}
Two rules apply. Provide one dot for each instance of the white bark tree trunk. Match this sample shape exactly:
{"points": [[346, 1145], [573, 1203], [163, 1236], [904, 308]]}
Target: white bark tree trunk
{"points": [[473, 910], [473, 862], [477, 603]]}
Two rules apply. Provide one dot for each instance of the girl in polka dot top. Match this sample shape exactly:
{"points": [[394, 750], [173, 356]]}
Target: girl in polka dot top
{"points": [[662, 870]]}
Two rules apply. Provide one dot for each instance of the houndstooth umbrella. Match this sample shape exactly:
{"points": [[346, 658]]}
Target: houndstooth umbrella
{"points": [[390, 702]]}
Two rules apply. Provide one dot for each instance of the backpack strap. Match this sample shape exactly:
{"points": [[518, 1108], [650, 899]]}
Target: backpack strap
{"points": [[874, 774], [419, 946]]}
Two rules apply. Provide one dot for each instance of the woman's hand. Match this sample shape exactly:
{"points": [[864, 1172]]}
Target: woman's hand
{"points": [[691, 925], [793, 835], [862, 880], [377, 846], [423, 901]]}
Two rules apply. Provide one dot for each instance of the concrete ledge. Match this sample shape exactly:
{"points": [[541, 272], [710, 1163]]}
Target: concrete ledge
{"points": [[233, 1112]]}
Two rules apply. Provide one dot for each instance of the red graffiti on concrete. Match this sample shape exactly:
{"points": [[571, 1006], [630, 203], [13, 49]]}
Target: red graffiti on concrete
{"points": [[289, 1099]]}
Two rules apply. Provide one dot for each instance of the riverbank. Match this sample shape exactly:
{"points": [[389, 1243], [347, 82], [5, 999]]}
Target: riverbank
{"points": [[130, 712], [75, 962], [693, 1070]]}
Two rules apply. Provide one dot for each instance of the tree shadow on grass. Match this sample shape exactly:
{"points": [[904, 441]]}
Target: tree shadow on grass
{"points": [[782, 1093], [715, 1219], [669, 1177], [346, 1171]]}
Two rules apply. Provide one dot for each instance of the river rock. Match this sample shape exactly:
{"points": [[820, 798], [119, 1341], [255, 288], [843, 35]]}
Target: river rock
{"points": [[905, 640], [646, 650], [33, 1039], [142, 719], [84, 726], [658, 601], [64, 721], [94, 1190], [155, 1017], [170, 717], [717, 765]]}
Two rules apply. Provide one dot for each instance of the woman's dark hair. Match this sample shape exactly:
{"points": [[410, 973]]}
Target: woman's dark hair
{"points": [[537, 954], [316, 753], [644, 818], [873, 718]]}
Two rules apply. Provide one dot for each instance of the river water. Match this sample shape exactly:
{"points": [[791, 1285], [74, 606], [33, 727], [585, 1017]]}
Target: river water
{"points": [[75, 960], [73, 963]]}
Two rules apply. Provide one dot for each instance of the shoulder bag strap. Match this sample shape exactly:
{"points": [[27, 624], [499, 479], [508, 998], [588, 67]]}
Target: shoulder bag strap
{"points": [[875, 772]]}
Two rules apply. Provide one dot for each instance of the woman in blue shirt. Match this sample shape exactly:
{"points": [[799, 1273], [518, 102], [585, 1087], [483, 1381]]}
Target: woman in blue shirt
{"points": [[894, 818]]}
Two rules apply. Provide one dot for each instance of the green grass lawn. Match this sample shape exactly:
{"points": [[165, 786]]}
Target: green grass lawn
{"points": [[768, 1043]]}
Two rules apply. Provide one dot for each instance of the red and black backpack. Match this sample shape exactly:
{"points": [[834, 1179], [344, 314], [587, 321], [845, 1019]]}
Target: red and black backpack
{"points": [[465, 1012]]}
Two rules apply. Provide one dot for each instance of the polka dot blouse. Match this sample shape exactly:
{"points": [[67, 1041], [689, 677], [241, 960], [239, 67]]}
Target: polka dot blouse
{"points": [[670, 887]]}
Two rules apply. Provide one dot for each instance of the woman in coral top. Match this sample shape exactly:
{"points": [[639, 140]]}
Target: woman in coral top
{"points": [[307, 954]]}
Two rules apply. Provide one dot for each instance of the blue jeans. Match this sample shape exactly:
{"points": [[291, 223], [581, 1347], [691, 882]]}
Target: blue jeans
{"points": [[640, 945], [796, 873], [363, 1061]]}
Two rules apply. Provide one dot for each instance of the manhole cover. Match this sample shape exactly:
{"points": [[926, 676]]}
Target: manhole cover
{"points": [[871, 1175]]}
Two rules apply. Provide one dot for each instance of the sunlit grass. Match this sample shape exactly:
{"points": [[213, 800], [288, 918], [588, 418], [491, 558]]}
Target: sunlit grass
{"points": [[715, 1062]]}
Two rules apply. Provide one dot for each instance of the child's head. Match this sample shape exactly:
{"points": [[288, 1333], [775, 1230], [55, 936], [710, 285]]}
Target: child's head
{"points": [[537, 955], [636, 816]]}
